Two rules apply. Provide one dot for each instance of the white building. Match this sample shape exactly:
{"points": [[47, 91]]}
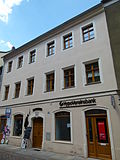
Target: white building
{"points": [[65, 81]]}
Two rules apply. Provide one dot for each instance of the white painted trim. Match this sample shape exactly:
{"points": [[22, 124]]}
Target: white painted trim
{"points": [[81, 35], [62, 41], [46, 49], [41, 115], [111, 136], [85, 132], [53, 127]]}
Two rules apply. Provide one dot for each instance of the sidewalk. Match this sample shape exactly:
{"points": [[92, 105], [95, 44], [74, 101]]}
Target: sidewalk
{"points": [[8, 152]]}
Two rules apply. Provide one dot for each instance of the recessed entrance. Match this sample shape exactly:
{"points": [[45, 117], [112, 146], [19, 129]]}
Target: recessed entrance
{"points": [[98, 134], [37, 132]]}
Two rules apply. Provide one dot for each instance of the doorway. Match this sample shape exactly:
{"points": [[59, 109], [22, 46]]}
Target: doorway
{"points": [[3, 121], [98, 134], [37, 132]]}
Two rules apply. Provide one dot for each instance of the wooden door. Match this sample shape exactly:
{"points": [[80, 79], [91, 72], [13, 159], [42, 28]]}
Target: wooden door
{"points": [[37, 132], [98, 137]]}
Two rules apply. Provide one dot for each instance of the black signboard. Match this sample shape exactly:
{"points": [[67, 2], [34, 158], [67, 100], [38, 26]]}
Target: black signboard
{"points": [[27, 133]]}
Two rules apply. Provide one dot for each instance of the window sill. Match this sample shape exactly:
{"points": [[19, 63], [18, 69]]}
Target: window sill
{"points": [[92, 83], [28, 94], [68, 87], [64, 49], [48, 91], [15, 97], [88, 40], [50, 55], [31, 62], [4, 99], [63, 142]]}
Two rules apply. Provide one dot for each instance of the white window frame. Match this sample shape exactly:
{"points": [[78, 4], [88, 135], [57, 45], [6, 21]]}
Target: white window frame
{"points": [[81, 34], [84, 71], [53, 127], [46, 47], [62, 41]]}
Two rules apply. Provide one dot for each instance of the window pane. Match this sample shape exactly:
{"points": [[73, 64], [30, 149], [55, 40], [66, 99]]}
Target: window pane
{"points": [[18, 121], [63, 127], [90, 129]]}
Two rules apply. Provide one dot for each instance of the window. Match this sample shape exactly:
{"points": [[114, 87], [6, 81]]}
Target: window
{"points": [[92, 73], [20, 62], [62, 126], [88, 32], [18, 122], [68, 42], [69, 78], [17, 89], [51, 48], [6, 92], [50, 82], [30, 86], [10, 66], [32, 56]]}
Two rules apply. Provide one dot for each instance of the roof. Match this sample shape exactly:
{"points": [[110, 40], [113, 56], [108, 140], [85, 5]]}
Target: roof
{"points": [[66, 25]]}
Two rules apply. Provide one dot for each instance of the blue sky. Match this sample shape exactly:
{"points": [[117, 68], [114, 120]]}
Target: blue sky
{"points": [[24, 20]]}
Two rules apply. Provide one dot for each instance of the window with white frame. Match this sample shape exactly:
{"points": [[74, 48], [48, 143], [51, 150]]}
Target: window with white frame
{"points": [[68, 41], [92, 72], [51, 48], [50, 82], [88, 32], [62, 126], [69, 77], [20, 61], [32, 56]]}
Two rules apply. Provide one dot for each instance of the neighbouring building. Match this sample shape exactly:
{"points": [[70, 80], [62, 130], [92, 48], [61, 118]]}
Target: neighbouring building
{"points": [[67, 83]]}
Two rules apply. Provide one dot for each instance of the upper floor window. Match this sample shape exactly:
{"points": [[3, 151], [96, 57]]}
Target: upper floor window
{"points": [[32, 56], [62, 126], [30, 86], [69, 78], [68, 41], [88, 32], [18, 123], [10, 66], [6, 92], [50, 82], [92, 73], [17, 89], [20, 62], [51, 48]]}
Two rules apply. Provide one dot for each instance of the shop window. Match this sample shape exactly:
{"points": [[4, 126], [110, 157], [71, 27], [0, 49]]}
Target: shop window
{"points": [[51, 48], [18, 123], [20, 62], [6, 92], [92, 73], [62, 126], [50, 82], [68, 41], [10, 66], [88, 32], [30, 86], [32, 56], [17, 89], [69, 78]]}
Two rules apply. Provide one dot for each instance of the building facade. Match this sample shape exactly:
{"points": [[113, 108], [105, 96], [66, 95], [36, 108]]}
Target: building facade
{"points": [[65, 85]]}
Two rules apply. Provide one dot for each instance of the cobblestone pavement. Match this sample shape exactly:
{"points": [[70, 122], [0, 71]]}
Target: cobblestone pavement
{"points": [[8, 152]]}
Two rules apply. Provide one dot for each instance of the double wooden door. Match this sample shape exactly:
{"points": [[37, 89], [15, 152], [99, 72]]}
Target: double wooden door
{"points": [[37, 132], [98, 137]]}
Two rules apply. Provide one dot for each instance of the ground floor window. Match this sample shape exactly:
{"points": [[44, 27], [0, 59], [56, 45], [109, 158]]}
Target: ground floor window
{"points": [[18, 123], [62, 126], [3, 121]]}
